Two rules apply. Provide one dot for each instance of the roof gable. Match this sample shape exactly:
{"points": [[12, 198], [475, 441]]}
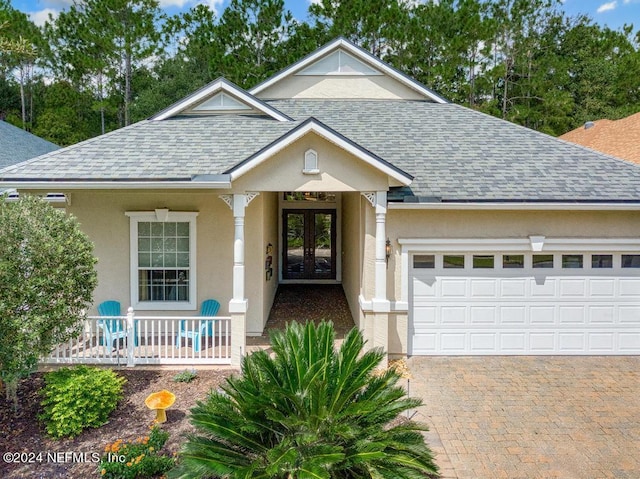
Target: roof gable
{"points": [[343, 58], [220, 97], [322, 130]]}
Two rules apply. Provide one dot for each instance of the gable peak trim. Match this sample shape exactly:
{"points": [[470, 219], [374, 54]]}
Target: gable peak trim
{"points": [[358, 53], [216, 87]]}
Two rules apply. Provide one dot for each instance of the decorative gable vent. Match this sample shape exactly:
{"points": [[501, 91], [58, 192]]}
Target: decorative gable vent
{"points": [[221, 102], [339, 63], [310, 163]]}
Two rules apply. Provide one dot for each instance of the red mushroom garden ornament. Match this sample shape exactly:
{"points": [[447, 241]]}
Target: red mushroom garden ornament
{"points": [[160, 401]]}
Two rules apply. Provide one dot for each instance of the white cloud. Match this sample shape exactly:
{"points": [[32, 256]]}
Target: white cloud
{"points": [[605, 7], [42, 16], [213, 5], [58, 4], [173, 3]]}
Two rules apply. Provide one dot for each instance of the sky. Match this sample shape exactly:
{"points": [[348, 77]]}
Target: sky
{"points": [[611, 13]]}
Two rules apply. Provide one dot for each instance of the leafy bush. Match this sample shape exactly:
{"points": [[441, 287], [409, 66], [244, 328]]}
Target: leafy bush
{"points": [[307, 411], [185, 376], [47, 278], [137, 459], [78, 398]]}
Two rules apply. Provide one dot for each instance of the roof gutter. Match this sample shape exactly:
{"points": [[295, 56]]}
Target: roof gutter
{"points": [[519, 206], [219, 182]]}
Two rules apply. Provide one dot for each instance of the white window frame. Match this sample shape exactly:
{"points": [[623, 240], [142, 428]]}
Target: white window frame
{"points": [[162, 215]]}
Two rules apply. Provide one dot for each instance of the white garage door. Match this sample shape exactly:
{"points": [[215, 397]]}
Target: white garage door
{"points": [[524, 303]]}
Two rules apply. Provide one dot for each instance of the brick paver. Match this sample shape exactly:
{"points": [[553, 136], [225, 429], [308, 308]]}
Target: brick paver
{"points": [[531, 417]]}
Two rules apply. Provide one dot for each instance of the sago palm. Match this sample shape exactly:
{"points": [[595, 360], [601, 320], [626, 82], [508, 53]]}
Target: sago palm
{"points": [[307, 411]]}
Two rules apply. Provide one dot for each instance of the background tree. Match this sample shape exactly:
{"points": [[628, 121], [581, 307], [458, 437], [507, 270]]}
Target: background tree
{"points": [[248, 45], [307, 411], [47, 278]]}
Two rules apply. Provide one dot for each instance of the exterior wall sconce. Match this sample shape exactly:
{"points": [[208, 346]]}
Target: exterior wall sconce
{"points": [[387, 249]]}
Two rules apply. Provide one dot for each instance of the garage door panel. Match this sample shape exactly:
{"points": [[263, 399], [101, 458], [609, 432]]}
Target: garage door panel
{"points": [[425, 316], [629, 314], [483, 315], [630, 288], [513, 288], [510, 315], [543, 287], [573, 288], [483, 288], [571, 342], [542, 342], [545, 314], [483, 342], [601, 314], [629, 342], [526, 310], [602, 288], [513, 342], [602, 342], [453, 288], [453, 315], [571, 314], [425, 287]]}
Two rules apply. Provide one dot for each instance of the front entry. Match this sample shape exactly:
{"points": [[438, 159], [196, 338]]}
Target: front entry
{"points": [[309, 239]]}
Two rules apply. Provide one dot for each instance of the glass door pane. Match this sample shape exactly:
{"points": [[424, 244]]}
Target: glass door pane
{"points": [[294, 225], [323, 247]]}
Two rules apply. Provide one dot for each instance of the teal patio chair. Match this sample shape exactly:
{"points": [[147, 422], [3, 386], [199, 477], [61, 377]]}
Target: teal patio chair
{"points": [[112, 329], [209, 307]]}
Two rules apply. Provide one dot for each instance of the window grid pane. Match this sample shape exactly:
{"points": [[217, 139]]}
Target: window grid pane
{"points": [[513, 261], [542, 261], [572, 261], [631, 260], [453, 261], [163, 261], [602, 261]]}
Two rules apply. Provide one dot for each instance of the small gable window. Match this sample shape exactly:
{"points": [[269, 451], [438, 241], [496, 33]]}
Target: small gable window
{"points": [[339, 63], [221, 102], [310, 163]]}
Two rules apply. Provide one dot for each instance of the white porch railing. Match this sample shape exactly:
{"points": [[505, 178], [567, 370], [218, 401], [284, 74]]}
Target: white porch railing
{"points": [[130, 340]]}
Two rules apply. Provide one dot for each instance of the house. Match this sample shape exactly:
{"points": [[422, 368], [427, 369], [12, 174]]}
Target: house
{"points": [[17, 145], [450, 231], [619, 138]]}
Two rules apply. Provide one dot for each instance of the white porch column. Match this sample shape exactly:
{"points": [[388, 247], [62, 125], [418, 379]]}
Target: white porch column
{"points": [[238, 304], [380, 301], [380, 304]]}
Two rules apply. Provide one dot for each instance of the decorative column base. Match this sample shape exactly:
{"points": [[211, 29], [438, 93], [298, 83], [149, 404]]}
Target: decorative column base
{"points": [[238, 313]]}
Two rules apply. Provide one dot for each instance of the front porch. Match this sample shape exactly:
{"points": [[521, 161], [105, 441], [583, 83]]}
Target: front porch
{"points": [[306, 302], [170, 340]]}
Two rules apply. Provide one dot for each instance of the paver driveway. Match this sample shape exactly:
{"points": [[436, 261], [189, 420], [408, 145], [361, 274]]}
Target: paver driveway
{"points": [[531, 417]]}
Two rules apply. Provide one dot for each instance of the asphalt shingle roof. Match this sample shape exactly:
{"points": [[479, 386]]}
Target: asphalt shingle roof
{"points": [[454, 153], [619, 138], [17, 145]]}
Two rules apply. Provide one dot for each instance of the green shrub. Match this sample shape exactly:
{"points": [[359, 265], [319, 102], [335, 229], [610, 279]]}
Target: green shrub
{"points": [[78, 398], [307, 410], [185, 376], [137, 459]]}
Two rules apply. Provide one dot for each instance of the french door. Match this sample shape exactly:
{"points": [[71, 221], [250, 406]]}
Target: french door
{"points": [[309, 239]]}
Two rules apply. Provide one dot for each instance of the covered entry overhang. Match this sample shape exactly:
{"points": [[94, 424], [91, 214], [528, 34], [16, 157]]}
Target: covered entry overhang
{"points": [[315, 159]]}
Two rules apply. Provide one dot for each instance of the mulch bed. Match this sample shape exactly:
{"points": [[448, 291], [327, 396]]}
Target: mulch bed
{"points": [[23, 433]]}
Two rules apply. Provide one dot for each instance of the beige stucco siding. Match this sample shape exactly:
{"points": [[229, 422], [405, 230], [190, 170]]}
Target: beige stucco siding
{"points": [[102, 217], [357, 86], [352, 253], [270, 228], [339, 170]]}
